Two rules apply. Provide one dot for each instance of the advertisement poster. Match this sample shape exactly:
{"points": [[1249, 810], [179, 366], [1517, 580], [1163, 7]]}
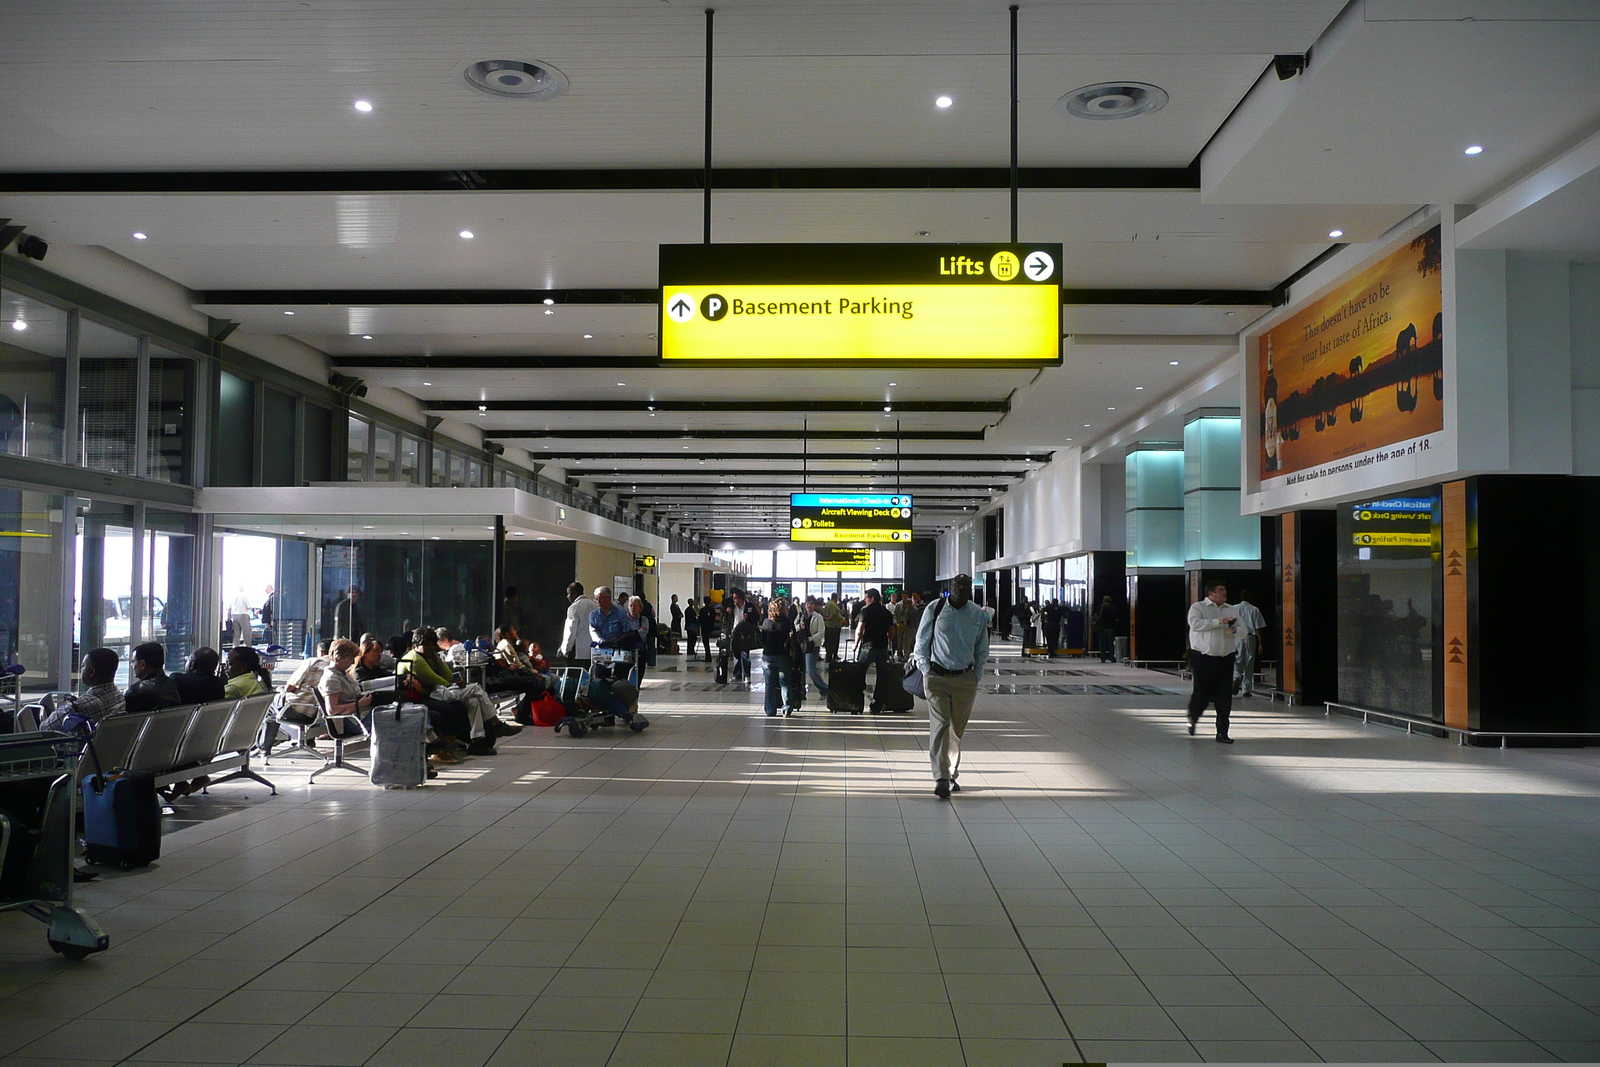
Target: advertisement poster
{"points": [[1356, 379]]}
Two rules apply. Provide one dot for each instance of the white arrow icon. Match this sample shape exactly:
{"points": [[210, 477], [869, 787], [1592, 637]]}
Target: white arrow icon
{"points": [[1038, 266], [680, 307]]}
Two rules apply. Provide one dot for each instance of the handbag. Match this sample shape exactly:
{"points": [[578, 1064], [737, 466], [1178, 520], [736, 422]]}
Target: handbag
{"points": [[914, 682]]}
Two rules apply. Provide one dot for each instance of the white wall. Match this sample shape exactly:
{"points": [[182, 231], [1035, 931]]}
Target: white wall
{"points": [[1584, 304]]}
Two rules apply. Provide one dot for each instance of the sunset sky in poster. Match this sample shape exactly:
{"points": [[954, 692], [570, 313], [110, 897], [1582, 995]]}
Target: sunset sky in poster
{"points": [[1322, 339]]}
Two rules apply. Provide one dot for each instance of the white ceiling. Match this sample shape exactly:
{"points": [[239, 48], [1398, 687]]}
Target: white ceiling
{"points": [[1375, 128]]}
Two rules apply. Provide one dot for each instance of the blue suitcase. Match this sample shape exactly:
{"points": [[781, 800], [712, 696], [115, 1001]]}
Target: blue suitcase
{"points": [[121, 820]]}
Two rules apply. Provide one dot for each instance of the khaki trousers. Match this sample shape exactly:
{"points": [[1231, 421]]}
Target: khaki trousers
{"points": [[950, 698]]}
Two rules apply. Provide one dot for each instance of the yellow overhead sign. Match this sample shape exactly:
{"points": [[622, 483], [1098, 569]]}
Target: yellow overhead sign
{"points": [[772, 323], [751, 304]]}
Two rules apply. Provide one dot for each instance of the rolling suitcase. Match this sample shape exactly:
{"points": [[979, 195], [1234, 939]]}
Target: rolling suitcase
{"points": [[722, 661], [891, 684], [399, 746], [121, 820], [847, 687]]}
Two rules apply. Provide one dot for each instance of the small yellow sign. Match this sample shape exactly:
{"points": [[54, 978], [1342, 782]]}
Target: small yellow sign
{"points": [[871, 322], [1391, 539]]}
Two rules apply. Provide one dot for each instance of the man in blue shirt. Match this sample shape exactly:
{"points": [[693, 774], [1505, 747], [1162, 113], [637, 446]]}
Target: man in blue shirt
{"points": [[952, 647], [609, 621]]}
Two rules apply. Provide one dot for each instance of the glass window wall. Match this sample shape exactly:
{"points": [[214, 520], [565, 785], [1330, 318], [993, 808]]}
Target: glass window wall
{"points": [[277, 449], [385, 454], [236, 431], [33, 376], [108, 389], [358, 449], [31, 568], [169, 416], [410, 451], [103, 614]]}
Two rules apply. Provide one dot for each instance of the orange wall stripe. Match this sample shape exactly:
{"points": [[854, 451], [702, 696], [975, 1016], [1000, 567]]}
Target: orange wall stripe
{"points": [[1456, 648]]}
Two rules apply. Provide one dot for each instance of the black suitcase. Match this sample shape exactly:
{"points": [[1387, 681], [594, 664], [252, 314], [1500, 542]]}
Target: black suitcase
{"points": [[121, 820], [847, 687], [722, 661], [891, 685]]}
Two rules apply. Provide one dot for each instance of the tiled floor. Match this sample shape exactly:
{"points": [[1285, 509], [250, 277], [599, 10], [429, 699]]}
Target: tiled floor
{"points": [[731, 889]]}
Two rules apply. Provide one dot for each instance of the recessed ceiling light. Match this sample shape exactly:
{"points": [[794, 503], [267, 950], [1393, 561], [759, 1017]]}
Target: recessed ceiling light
{"points": [[1086, 426], [467, 235], [547, 311], [369, 527], [1138, 388], [588, 337], [548, 300], [922, 233], [288, 313], [299, 533], [942, 102], [427, 383], [1172, 363], [140, 236], [513, 79], [363, 106], [893, 384], [1113, 100], [18, 325], [1474, 150], [1335, 233], [1111, 409], [366, 337]]}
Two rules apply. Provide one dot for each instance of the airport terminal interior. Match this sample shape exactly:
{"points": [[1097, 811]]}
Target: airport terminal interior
{"points": [[474, 480]]}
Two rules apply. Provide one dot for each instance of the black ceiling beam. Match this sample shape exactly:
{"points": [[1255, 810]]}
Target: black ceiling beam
{"points": [[797, 405], [596, 362], [732, 435], [796, 457], [637, 179], [531, 297]]}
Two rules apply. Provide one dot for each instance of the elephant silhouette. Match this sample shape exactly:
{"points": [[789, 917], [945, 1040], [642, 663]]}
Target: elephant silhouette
{"points": [[1358, 405]]}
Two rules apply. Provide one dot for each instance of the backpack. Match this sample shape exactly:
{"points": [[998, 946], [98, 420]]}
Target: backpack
{"points": [[547, 710]]}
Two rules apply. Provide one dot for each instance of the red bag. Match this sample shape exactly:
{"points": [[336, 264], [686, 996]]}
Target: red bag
{"points": [[547, 710]]}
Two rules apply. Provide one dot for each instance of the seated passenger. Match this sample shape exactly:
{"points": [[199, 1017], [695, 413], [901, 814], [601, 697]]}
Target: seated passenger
{"points": [[516, 674], [369, 666], [152, 690], [299, 703], [451, 715], [385, 657], [198, 682], [244, 674], [100, 698], [451, 651], [341, 694]]}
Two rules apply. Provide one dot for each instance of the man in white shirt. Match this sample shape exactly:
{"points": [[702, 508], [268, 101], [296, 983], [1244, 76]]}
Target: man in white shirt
{"points": [[1251, 623], [952, 645], [575, 634], [240, 616], [1212, 627]]}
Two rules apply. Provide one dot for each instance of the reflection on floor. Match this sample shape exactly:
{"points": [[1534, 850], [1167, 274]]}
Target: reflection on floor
{"points": [[731, 889]]}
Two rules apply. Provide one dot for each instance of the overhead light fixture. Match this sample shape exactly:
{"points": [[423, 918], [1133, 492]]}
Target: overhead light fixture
{"points": [[1113, 100], [1474, 150], [622, 383], [887, 408], [513, 79], [18, 325], [140, 236], [1172, 363], [1111, 409], [366, 337], [427, 383], [288, 313], [363, 106], [1335, 233], [547, 311], [548, 301], [1086, 426], [588, 337], [1138, 388], [942, 102], [467, 235]]}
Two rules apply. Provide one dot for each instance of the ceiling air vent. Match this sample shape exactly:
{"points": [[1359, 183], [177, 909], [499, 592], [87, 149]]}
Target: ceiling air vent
{"points": [[513, 79], [1113, 100]]}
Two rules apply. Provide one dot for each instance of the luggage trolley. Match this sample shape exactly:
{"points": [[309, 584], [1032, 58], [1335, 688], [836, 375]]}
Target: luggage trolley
{"points": [[38, 819], [575, 690]]}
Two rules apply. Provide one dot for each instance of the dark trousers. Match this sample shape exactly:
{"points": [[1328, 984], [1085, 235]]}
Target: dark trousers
{"points": [[1108, 644], [449, 718], [526, 686], [1213, 683], [1052, 638], [882, 661], [830, 642]]}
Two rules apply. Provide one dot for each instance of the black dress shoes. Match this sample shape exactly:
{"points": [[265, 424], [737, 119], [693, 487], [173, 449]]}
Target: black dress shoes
{"points": [[1221, 740], [941, 789]]}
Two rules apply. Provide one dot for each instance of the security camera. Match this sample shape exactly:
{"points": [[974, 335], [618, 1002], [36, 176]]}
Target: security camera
{"points": [[1290, 65], [347, 385], [494, 448]]}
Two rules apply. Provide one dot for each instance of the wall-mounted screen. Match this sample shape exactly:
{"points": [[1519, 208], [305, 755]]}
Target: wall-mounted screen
{"points": [[1356, 378], [850, 517], [835, 558]]}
